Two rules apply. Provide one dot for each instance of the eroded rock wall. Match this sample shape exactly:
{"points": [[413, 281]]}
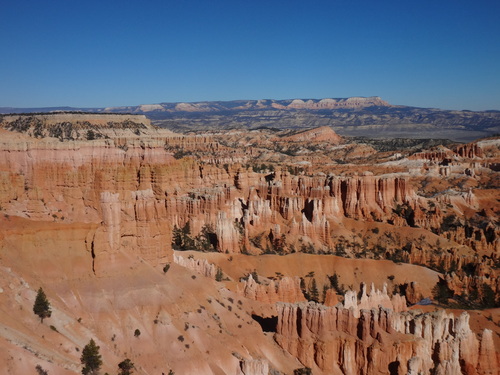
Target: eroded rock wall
{"points": [[381, 340]]}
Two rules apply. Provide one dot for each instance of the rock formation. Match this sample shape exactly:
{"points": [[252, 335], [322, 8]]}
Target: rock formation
{"points": [[335, 340], [286, 289], [90, 203], [200, 266]]}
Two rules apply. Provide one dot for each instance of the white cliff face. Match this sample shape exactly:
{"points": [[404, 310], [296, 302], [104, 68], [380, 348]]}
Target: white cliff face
{"points": [[201, 266], [227, 234], [374, 300]]}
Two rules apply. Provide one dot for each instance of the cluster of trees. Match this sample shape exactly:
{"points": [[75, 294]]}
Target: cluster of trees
{"points": [[310, 288], [205, 241], [406, 212], [482, 297], [92, 361], [263, 168]]}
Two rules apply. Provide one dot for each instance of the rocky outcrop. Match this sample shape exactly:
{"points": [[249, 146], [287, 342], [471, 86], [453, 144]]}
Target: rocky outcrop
{"points": [[413, 292], [92, 183], [73, 126], [330, 196], [253, 367], [321, 134], [286, 289], [91, 119], [376, 298], [469, 151], [201, 266], [383, 341]]}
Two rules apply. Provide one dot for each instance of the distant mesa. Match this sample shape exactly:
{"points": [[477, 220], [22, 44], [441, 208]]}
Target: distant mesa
{"points": [[289, 104], [95, 119], [150, 107], [224, 106], [354, 102], [76, 125]]}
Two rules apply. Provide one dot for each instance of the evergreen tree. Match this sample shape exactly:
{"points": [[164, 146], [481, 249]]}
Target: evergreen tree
{"points": [[441, 292], [207, 239], [255, 276], [125, 367], [176, 238], [187, 240], [91, 359], [487, 296], [39, 369], [42, 305], [303, 287], [302, 371], [334, 281], [325, 290], [219, 276], [313, 291], [181, 238]]}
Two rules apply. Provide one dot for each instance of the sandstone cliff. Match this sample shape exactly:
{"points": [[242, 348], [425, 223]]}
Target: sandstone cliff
{"points": [[381, 340]]}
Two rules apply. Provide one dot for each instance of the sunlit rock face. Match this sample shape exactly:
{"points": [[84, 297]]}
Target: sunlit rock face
{"points": [[342, 339], [92, 217]]}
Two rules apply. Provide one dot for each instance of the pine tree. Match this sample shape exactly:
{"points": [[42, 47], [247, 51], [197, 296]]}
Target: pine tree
{"points": [[325, 290], [487, 296], [42, 305], [219, 276], [334, 281], [39, 369], [125, 367], [313, 291], [441, 292], [91, 359], [177, 238]]}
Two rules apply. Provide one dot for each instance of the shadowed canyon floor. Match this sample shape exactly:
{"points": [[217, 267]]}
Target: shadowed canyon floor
{"points": [[246, 252]]}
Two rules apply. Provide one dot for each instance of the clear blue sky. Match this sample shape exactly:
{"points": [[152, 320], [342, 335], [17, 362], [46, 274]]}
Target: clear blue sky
{"points": [[443, 54]]}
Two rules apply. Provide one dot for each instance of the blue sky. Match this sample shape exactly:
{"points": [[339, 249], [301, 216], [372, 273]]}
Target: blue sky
{"points": [[442, 54]]}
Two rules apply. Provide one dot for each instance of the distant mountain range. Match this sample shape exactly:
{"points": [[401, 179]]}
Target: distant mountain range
{"points": [[370, 116], [222, 106]]}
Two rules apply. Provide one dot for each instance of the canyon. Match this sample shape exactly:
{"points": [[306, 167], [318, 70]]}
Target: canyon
{"points": [[246, 251]]}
